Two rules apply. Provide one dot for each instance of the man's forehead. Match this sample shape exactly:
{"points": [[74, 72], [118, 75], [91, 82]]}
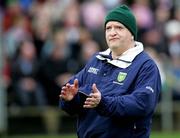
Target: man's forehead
{"points": [[114, 23]]}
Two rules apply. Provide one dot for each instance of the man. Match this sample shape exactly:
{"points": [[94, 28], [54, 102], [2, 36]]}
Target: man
{"points": [[122, 85]]}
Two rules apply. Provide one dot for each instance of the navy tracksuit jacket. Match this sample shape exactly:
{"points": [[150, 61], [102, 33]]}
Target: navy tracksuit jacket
{"points": [[129, 97]]}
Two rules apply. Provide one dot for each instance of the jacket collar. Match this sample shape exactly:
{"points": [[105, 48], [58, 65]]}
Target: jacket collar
{"points": [[125, 59]]}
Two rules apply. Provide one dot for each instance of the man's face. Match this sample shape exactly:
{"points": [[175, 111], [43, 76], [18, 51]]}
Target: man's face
{"points": [[118, 37]]}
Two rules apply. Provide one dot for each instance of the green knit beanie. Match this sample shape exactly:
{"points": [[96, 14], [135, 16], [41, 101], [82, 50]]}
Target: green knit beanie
{"points": [[125, 16]]}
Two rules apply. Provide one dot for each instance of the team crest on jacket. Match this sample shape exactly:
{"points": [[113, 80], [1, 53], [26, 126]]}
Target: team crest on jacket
{"points": [[121, 76]]}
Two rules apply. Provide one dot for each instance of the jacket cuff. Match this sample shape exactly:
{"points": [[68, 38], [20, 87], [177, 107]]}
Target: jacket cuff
{"points": [[102, 107]]}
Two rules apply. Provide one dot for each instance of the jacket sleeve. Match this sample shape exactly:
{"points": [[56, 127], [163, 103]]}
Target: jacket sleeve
{"points": [[72, 107], [75, 106], [140, 102]]}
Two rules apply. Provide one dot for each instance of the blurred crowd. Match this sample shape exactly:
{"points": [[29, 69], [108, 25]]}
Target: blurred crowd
{"points": [[45, 42]]}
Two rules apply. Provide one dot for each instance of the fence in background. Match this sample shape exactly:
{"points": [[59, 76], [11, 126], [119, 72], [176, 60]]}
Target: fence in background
{"points": [[52, 120]]}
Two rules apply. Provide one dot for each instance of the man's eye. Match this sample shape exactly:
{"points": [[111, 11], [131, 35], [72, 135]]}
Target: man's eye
{"points": [[119, 27], [108, 28]]}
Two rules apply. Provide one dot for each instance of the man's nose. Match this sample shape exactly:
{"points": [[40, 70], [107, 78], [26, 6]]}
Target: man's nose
{"points": [[113, 31]]}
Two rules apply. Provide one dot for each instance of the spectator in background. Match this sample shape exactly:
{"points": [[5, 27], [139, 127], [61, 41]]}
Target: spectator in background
{"points": [[15, 34], [143, 15], [115, 94], [24, 73], [88, 50], [41, 34], [172, 31], [93, 13], [162, 14], [54, 68]]}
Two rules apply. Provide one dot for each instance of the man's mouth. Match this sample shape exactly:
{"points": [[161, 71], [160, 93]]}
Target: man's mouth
{"points": [[113, 39]]}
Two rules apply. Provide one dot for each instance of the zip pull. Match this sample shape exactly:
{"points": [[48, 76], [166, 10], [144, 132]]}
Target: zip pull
{"points": [[134, 126]]}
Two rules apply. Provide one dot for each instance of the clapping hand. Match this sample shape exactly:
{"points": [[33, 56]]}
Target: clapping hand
{"points": [[69, 91], [94, 98]]}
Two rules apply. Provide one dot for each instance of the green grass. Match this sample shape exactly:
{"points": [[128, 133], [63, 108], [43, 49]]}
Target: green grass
{"points": [[165, 135], [154, 135], [45, 136]]}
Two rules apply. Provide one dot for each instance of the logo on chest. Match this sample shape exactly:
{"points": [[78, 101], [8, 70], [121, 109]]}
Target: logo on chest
{"points": [[121, 76], [93, 70]]}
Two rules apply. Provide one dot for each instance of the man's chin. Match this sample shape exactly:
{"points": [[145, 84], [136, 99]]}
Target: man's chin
{"points": [[113, 47]]}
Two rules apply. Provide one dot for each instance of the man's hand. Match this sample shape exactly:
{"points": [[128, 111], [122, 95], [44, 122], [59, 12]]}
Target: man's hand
{"points": [[94, 99], [69, 91]]}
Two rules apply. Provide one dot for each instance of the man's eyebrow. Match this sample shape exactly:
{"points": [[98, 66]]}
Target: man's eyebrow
{"points": [[120, 25]]}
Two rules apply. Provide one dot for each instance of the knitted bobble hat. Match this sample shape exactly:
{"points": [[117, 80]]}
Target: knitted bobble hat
{"points": [[125, 16]]}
